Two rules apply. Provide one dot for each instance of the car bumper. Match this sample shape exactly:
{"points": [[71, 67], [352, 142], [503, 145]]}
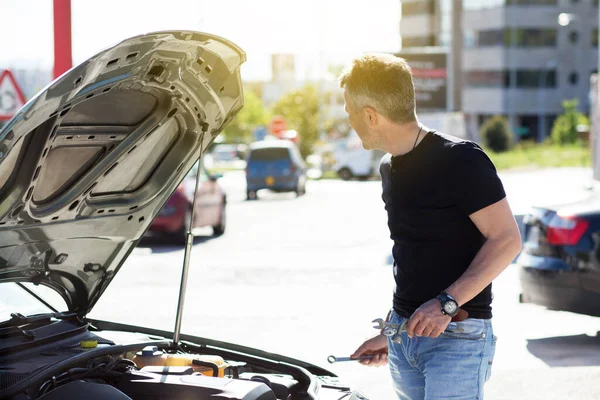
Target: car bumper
{"points": [[279, 183], [559, 289]]}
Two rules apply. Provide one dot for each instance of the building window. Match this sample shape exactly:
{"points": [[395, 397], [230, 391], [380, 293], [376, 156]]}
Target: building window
{"points": [[529, 78], [490, 38], [574, 36], [470, 5], [531, 2], [531, 37], [573, 78], [417, 7], [418, 41], [520, 37], [489, 79], [469, 39], [526, 79]]}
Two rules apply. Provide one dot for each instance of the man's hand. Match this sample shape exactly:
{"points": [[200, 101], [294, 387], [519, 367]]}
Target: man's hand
{"points": [[377, 347], [428, 320]]}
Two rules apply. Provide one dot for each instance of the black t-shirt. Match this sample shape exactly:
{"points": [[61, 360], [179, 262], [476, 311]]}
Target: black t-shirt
{"points": [[429, 194]]}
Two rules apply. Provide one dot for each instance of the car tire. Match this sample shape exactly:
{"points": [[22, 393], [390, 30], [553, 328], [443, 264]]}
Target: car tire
{"points": [[251, 195], [219, 229], [345, 174], [300, 191]]}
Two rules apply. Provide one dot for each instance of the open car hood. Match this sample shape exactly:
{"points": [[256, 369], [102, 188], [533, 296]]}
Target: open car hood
{"points": [[87, 164]]}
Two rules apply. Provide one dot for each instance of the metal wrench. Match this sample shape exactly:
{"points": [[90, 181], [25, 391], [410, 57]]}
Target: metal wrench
{"points": [[390, 329], [334, 359], [395, 330]]}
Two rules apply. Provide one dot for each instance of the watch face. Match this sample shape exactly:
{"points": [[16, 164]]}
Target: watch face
{"points": [[450, 307]]}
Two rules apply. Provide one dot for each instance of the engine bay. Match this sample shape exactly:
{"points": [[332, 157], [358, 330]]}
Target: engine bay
{"points": [[127, 365]]}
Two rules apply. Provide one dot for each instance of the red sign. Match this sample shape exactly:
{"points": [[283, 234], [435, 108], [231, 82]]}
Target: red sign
{"points": [[11, 96], [277, 125]]}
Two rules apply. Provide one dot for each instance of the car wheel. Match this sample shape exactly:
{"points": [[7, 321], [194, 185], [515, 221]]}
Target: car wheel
{"points": [[219, 229], [251, 195], [345, 174], [301, 190]]}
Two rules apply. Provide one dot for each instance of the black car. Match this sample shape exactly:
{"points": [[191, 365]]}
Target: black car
{"points": [[560, 261], [85, 167]]}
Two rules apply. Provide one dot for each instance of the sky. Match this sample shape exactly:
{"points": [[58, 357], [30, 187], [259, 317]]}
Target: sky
{"points": [[318, 32]]}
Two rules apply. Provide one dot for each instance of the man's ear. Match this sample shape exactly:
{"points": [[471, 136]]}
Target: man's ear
{"points": [[373, 117]]}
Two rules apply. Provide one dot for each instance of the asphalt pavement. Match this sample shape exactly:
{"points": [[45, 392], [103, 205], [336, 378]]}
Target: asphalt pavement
{"points": [[305, 276]]}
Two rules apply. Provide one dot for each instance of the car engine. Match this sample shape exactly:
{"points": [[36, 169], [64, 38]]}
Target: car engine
{"points": [[93, 367]]}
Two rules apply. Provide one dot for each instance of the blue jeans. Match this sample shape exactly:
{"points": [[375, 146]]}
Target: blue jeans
{"points": [[455, 365]]}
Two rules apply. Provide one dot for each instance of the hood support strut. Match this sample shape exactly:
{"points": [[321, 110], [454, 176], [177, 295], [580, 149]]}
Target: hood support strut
{"points": [[189, 241]]}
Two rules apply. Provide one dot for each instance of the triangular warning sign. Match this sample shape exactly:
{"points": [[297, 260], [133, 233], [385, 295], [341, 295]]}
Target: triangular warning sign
{"points": [[11, 96]]}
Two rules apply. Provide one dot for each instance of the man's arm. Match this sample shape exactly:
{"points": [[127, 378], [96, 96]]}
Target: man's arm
{"points": [[502, 245]]}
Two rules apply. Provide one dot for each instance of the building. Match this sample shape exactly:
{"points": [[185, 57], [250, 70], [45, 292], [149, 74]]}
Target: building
{"points": [[516, 58], [522, 58], [428, 27]]}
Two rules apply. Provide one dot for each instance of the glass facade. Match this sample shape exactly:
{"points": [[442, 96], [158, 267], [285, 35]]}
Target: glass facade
{"points": [[519, 37], [526, 79], [470, 5]]}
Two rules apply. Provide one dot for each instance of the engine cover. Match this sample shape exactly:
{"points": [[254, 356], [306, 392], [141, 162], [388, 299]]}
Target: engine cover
{"points": [[142, 385]]}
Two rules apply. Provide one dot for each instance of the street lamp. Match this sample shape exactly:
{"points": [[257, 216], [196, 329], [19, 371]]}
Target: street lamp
{"points": [[564, 19]]}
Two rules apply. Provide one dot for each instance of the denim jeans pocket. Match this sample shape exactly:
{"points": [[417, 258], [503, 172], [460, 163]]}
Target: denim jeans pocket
{"points": [[469, 329], [492, 352]]}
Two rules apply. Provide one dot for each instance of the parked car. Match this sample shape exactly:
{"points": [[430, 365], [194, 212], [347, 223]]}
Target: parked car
{"points": [[276, 165], [228, 156], [211, 202], [560, 261], [353, 161], [85, 166]]}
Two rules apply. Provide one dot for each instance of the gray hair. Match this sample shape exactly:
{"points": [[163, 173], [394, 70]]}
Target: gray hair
{"points": [[384, 82]]}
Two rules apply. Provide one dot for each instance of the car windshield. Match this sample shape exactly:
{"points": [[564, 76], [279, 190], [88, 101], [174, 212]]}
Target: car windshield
{"points": [[269, 154], [13, 298]]}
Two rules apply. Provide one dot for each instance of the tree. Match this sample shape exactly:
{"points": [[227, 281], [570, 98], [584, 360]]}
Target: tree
{"points": [[252, 114], [301, 111], [496, 134], [565, 129]]}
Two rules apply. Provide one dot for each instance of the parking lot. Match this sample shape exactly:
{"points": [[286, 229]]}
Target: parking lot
{"points": [[305, 276]]}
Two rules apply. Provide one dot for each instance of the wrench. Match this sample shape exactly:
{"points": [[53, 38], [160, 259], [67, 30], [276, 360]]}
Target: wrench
{"points": [[395, 330], [390, 329], [334, 359]]}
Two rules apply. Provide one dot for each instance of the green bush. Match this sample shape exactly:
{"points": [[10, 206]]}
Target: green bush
{"points": [[565, 127], [496, 134]]}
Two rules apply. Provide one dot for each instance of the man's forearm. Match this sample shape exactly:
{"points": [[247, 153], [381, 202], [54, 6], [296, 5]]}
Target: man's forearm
{"points": [[493, 258]]}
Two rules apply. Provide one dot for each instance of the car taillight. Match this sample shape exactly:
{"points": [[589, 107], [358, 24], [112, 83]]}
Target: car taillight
{"points": [[565, 230], [292, 168]]}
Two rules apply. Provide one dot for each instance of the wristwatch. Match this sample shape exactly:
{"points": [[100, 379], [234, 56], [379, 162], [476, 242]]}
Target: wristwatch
{"points": [[449, 305]]}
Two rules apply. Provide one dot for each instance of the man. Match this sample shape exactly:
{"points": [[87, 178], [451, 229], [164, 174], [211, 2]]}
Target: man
{"points": [[453, 234]]}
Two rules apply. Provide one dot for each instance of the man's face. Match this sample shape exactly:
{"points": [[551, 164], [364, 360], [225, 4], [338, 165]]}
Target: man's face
{"points": [[357, 121]]}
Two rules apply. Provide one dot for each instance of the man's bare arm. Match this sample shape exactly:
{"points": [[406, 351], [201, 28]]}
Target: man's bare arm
{"points": [[503, 243]]}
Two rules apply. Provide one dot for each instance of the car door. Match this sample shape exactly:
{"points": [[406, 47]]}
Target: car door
{"points": [[209, 197]]}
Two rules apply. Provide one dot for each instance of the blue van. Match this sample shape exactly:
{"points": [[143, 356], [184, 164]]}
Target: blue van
{"points": [[276, 165]]}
